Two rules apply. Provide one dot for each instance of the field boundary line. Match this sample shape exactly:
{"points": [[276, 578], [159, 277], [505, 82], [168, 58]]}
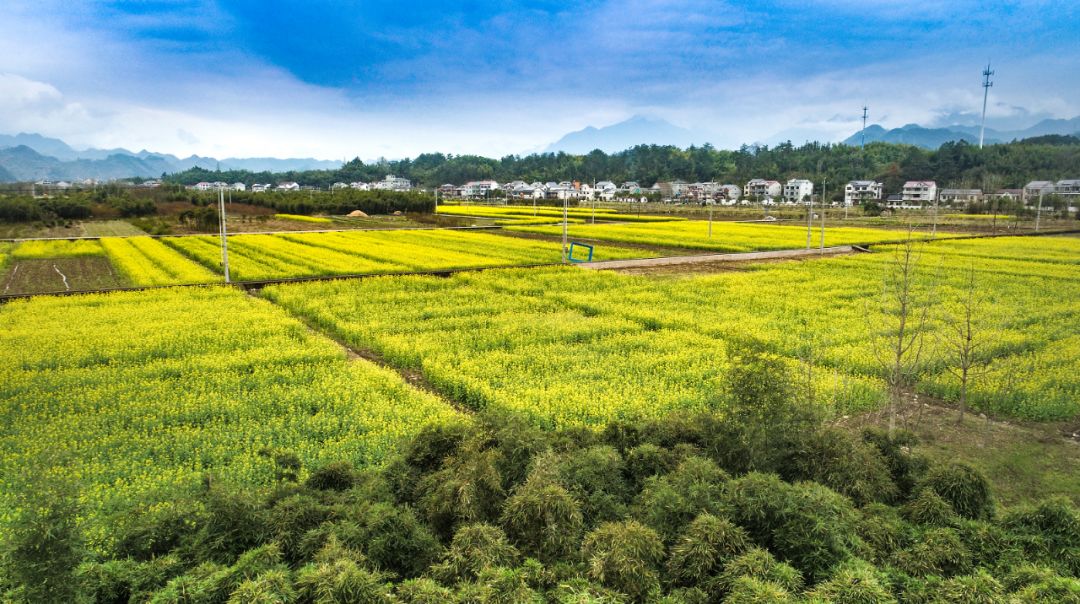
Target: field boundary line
{"points": [[259, 284], [96, 237], [412, 377]]}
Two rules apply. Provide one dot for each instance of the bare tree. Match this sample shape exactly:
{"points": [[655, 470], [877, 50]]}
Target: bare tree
{"points": [[965, 341], [904, 310]]}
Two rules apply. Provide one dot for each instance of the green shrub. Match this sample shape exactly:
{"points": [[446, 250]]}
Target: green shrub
{"points": [[581, 591], [990, 545], [501, 585], [750, 590], [475, 547], [853, 583], [1063, 590], [596, 477], [122, 581], [1025, 574], [434, 443], [108, 582], [395, 540], [623, 435], [978, 588], [704, 547], [517, 441], [755, 502], [342, 580], [542, 519], [929, 509], [468, 489], [200, 585], [233, 524], [42, 546], [271, 587], [963, 487], [647, 460], [673, 429], [624, 556], [816, 529], [848, 466], [668, 503], [423, 591], [882, 529], [938, 551], [763, 416], [759, 564], [336, 476], [1049, 532], [291, 518], [145, 533], [906, 467]]}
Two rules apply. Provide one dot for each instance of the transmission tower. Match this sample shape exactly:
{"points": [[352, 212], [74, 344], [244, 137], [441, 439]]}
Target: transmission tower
{"points": [[986, 91], [864, 115]]}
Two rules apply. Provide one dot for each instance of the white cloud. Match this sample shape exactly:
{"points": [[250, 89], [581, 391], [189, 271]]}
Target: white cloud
{"points": [[31, 106], [93, 87]]}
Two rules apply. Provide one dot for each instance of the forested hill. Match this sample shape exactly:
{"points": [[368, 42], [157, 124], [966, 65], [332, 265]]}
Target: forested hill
{"points": [[953, 165]]}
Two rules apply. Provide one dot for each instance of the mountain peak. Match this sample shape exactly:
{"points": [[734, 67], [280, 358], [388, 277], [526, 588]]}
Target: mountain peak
{"points": [[932, 138], [636, 130]]}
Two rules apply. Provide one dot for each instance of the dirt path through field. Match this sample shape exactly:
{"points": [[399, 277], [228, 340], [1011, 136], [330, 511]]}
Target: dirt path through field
{"points": [[712, 259], [412, 377]]}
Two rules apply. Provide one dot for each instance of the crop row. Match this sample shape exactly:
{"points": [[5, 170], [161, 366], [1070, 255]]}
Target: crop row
{"points": [[582, 348], [726, 236], [156, 389], [146, 261], [254, 257]]}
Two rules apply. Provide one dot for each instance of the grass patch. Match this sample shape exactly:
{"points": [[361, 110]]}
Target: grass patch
{"points": [[1024, 461], [111, 228]]}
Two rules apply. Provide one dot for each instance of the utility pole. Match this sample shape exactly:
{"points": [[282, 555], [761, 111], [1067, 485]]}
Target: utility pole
{"points": [[864, 116], [824, 181], [1038, 211], [710, 218], [986, 91], [224, 234], [809, 221], [933, 231], [565, 205], [593, 195]]}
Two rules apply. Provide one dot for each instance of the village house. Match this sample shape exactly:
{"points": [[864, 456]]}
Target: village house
{"points": [[761, 189], [919, 192], [964, 196], [860, 191], [798, 190]]}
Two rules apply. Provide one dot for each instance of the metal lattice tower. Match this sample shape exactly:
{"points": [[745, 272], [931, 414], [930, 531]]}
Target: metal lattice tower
{"points": [[864, 115], [986, 91]]}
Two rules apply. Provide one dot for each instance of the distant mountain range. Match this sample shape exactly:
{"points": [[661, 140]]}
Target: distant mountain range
{"points": [[28, 157], [932, 138], [638, 130], [31, 157]]}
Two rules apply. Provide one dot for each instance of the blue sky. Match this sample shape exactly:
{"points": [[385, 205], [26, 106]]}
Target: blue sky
{"points": [[342, 79]]}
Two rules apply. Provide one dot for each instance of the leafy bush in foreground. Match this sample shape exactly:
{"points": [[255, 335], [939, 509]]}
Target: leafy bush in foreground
{"points": [[496, 510]]}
